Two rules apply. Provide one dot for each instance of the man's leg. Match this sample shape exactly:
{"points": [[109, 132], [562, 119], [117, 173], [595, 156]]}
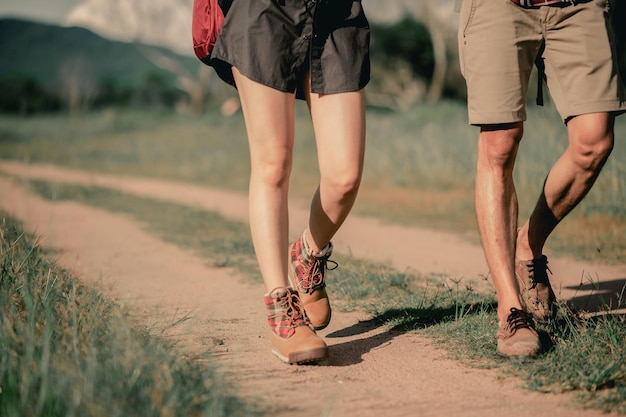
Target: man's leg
{"points": [[496, 208], [496, 212], [570, 179]]}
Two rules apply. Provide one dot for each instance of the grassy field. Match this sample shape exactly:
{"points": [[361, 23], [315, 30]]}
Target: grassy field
{"points": [[419, 170], [419, 165], [67, 351]]}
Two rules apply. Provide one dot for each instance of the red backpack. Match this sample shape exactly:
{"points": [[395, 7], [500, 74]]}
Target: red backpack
{"points": [[206, 23]]}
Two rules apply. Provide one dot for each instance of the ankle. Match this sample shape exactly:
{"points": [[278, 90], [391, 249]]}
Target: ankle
{"points": [[311, 248], [308, 247], [523, 251], [504, 312]]}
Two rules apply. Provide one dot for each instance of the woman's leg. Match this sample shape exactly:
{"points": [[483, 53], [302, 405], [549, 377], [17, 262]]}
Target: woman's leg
{"points": [[339, 124], [269, 118]]}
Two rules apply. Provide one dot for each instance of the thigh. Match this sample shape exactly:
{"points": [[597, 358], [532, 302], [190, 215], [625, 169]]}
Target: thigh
{"points": [[339, 124], [269, 118], [498, 43]]}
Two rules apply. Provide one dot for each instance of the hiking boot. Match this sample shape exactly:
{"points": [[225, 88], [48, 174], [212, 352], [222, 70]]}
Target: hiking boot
{"points": [[537, 294], [307, 273], [517, 337], [293, 339]]}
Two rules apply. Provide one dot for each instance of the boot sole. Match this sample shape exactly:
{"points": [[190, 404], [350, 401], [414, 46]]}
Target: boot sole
{"points": [[303, 357], [521, 358]]}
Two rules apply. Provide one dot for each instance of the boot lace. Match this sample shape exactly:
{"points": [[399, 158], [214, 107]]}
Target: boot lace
{"points": [[538, 272], [316, 273], [519, 319], [292, 307]]}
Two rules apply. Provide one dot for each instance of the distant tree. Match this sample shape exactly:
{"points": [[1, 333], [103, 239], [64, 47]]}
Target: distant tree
{"points": [[157, 90], [402, 63], [111, 93], [77, 84], [195, 86], [23, 94], [437, 33], [429, 26], [405, 40], [145, 23]]}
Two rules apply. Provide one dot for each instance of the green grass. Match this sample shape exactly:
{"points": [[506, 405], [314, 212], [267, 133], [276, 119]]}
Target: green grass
{"points": [[419, 165], [67, 351], [419, 170], [584, 356]]}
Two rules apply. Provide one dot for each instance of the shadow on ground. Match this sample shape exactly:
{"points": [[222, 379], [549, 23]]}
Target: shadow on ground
{"points": [[597, 297], [398, 321]]}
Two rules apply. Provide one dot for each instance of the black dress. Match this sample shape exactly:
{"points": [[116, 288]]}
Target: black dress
{"points": [[275, 42]]}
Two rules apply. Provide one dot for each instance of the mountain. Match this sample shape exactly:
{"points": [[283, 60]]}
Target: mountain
{"points": [[156, 22], [41, 50]]}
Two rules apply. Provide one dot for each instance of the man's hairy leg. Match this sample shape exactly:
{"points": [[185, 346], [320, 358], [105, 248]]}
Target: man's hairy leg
{"points": [[497, 208], [591, 141]]}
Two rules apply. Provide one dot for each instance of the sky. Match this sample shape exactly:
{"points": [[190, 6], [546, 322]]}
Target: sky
{"points": [[49, 11]]}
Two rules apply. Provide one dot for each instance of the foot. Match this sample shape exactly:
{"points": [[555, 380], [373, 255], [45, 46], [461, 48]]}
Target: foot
{"points": [[517, 337], [535, 288], [307, 273], [293, 339]]}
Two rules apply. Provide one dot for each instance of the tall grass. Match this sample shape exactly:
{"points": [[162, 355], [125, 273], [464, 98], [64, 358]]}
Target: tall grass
{"points": [[67, 351], [419, 166]]}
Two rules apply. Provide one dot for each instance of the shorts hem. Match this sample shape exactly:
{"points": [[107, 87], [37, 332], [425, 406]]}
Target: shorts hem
{"points": [[340, 90], [495, 118], [609, 106], [224, 69]]}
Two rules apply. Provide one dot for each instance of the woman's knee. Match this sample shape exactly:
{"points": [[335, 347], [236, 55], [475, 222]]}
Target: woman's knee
{"points": [[343, 184], [272, 171]]}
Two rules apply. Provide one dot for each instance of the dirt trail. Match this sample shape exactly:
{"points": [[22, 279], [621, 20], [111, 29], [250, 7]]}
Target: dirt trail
{"points": [[372, 371]]}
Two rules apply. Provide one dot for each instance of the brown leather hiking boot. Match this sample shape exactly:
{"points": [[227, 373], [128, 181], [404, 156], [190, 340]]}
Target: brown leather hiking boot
{"points": [[293, 340], [307, 273], [535, 288], [517, 337]]}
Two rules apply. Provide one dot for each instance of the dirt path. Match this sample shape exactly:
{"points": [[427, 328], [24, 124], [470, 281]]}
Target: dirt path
{"points": [[372, 372]]}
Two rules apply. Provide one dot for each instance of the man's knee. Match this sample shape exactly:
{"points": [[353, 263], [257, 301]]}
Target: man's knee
{"points": [[498, 144], [591, 141]]}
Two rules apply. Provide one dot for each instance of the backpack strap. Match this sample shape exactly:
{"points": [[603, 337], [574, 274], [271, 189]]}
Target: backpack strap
{"points": [[541, 73]]}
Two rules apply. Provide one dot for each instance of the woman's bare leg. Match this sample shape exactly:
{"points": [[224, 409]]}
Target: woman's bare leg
{"points": [[269, 118], [339, 124]]}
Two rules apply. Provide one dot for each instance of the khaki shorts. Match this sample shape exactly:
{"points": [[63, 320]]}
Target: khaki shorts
{"points": [[498, 44]]}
